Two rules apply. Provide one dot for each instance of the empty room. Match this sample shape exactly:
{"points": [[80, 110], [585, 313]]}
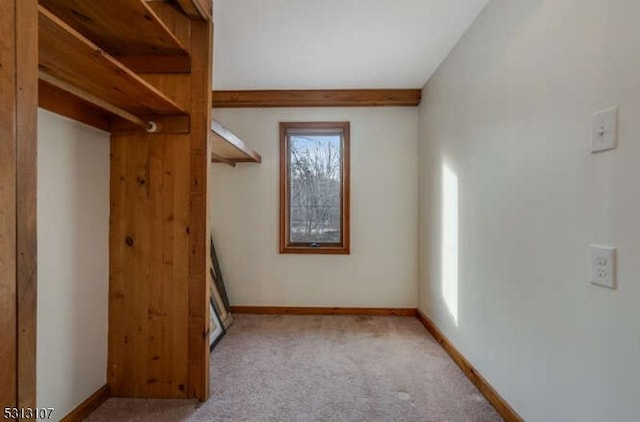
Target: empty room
{"points": [[338, 210]]}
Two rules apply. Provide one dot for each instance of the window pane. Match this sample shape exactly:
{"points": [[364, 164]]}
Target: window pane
{"points": [[315, 173]]}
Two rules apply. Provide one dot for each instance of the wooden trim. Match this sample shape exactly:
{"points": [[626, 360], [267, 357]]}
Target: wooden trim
{"points": [[8, 260], [318, 98], [26, 193], [198, 288], [88, 406], [343, 247], [293, 310], [503, 408]]}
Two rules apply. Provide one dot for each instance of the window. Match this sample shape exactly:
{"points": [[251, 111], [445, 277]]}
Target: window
{"points": [[314, 188]]}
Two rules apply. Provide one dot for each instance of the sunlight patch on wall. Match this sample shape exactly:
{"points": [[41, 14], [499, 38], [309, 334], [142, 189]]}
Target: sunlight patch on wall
{"points": [[449, 241]]}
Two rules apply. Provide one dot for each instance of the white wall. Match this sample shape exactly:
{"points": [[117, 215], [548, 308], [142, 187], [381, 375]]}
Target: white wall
{"points": [[382, 268], [509, 114], [73, 261]]}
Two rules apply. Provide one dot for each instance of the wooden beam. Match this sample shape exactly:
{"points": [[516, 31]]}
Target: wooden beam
{"points": [[26, 135], [8, 302], [199, 320], [318, 98], [18, 237]]}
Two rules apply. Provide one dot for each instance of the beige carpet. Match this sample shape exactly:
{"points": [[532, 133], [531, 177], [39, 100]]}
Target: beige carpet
{"points": [[322, 368]]}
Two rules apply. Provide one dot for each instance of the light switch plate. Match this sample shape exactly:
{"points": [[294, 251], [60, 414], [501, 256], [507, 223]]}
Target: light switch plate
{"points": [[604, 130], [602, 263]]}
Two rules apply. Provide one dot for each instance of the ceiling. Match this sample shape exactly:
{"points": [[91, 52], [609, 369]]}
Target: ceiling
{"points": [[335, 44]]}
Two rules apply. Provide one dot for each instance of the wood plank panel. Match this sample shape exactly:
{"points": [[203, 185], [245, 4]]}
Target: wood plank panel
{"points": [[118, 272], [176, 87], [163, 318], [27, 118], [8, 303], [71, 58], [177, 22], [149, 266], [137, 246], [176, 154], [159, 306], [148, 332], [317, 98]]}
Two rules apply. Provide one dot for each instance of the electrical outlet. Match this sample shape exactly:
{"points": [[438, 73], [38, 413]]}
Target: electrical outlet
{"points": [[602, 263], [604, 130]]}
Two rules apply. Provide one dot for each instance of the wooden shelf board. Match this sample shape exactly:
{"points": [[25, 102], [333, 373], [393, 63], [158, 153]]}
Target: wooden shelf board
{"points": [[67, 56], [65, 104], [228, 148], [126, 28]]}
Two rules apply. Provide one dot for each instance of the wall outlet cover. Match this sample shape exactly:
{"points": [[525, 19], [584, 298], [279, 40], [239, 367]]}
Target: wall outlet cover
{"points": [[604, 130], [602, 266]]}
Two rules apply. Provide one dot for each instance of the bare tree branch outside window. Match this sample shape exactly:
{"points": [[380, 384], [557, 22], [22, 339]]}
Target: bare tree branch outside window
{"points": [[315, 188]]}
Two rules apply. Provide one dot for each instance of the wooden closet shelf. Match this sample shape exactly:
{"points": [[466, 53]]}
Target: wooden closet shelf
{"points": [[127, 29], [228, 148], [74, 64]]}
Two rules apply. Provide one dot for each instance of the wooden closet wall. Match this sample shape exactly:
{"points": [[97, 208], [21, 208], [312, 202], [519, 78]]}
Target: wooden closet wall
{"points": [[91, 64], [158, 294]]}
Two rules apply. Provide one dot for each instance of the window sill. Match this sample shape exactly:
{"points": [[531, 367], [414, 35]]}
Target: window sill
{"points": [[317, 250]]}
